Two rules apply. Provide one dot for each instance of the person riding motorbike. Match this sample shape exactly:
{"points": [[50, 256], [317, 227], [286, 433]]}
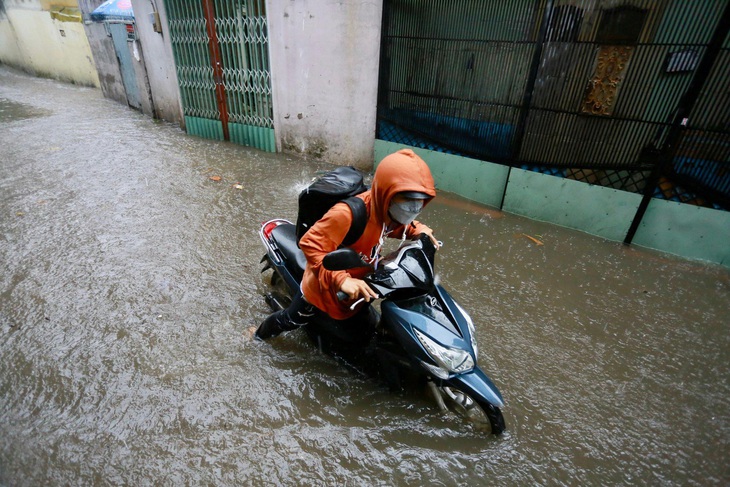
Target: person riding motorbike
{"points": [[402, 186]]}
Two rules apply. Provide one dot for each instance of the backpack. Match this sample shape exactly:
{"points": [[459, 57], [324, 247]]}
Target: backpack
{"points": [[341, 184]]}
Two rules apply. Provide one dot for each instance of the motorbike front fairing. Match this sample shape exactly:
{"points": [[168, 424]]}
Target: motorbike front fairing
{"points": [[426, 320]]}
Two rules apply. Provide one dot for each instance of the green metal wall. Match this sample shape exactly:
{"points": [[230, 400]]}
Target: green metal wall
{"points": [[628, 96], [224, 74]]}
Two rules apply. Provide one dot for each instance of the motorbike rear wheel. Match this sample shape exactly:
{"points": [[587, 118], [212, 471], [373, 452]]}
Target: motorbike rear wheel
{"points": [[485, 417]]}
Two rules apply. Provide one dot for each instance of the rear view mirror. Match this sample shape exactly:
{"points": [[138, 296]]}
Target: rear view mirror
{"points": [[342, 260]]}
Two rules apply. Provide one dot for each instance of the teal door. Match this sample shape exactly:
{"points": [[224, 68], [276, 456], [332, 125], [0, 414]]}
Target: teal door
{"points": [[222, 62], [121, 47]]}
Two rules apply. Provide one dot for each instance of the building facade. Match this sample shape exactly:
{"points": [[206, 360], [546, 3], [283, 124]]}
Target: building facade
{"points": [[608, 117]]}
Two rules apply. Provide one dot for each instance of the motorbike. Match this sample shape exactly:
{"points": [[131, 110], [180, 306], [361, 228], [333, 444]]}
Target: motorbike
{"points": [[422, 332]]}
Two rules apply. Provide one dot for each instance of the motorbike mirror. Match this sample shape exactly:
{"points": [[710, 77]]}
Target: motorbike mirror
{"points": [[342, 260]]}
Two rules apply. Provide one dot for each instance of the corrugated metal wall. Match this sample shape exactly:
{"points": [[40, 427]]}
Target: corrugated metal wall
{"points": [[589, 90]]}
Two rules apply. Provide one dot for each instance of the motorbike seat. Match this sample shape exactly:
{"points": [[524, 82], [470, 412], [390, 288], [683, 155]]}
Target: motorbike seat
{"points": [[285, 236]]}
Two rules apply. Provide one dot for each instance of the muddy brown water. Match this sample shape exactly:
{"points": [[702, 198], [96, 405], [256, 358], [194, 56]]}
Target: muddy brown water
{"points": [[130, 279]]}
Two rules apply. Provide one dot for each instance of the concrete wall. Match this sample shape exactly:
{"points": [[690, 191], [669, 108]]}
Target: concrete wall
{"points": [[680, 229], [105, 59], [158, 60], [324, 67], [107, 65], [600, 211], [152, 57], [33, 40], [140, 73], [686, 230]]}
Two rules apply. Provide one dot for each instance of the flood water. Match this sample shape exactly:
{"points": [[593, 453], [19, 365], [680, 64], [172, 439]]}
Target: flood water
{"points": [[130, 280]]}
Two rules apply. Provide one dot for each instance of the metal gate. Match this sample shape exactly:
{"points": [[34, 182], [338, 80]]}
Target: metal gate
{"points": [[222, 62], [630, 95]]}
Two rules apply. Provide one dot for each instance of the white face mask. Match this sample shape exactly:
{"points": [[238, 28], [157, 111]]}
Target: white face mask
{"points": [[405, 211]]}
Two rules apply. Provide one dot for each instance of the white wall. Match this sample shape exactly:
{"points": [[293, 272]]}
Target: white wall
{"points": [[324, 67], [159, 60]]}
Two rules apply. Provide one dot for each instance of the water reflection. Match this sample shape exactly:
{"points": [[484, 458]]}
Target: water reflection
{"points": [[130, 278], [12, 111]]}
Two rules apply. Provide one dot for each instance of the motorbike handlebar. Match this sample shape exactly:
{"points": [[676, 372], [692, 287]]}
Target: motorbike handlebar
{"points": [[346, 258], [342, 296]]}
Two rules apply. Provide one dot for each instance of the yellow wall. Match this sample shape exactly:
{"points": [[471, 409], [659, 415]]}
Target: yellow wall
{"points": [[54, 4], [32, 40]]}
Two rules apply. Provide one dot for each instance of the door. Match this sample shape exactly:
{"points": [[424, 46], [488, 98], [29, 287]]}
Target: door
{"points": [[119, 38], [222, 62]]}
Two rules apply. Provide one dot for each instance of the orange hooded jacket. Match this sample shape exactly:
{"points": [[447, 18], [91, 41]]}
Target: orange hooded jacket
{"points": [[398, 172]]}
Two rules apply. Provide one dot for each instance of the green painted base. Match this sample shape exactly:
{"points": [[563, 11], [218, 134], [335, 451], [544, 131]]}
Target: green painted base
{"points": [[250, 136], [680, 229], [686, 230], [600, 211], [204, 127], [476, 180]]}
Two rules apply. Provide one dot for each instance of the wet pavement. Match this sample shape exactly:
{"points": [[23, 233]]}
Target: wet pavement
{"points": [[130, 280]]}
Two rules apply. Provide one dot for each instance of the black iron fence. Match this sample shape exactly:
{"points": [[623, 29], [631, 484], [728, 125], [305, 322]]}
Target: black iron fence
{"points": [[631, 95]]}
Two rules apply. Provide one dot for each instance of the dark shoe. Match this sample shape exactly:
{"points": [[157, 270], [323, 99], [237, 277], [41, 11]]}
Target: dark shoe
{"points": [[270, 327]]}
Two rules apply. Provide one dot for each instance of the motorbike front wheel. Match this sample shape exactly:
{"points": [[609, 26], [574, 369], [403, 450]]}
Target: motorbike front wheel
{"points": [[483, 415]]}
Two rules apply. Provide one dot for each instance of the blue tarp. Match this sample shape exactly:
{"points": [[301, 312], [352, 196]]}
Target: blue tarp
{"points": [[113, 10]]}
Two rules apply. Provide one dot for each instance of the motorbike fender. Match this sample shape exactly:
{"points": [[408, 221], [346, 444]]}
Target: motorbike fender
{"points": [[279, 266], [477, 383]]}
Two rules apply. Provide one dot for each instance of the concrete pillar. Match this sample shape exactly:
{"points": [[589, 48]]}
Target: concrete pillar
{"points": [[324, 66], [152, 29]]}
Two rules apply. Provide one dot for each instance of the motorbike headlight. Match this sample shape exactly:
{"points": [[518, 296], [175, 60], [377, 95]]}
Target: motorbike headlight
{"points": [[453, 360], [472, 331]]}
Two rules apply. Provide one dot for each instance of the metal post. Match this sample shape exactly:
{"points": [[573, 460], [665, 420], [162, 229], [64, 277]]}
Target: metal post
{"points": [[684, 108], [384, 72], [529, 88], [215, 58]]}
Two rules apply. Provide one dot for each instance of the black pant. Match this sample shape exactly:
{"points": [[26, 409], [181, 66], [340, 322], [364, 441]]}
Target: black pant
{"points": [[356, 330]]}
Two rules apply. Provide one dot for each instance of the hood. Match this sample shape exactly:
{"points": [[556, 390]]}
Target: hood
{"points": [[398, 172]]}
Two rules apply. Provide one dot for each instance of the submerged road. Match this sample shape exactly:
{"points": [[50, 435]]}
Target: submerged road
{"points": [[130, 278]]}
